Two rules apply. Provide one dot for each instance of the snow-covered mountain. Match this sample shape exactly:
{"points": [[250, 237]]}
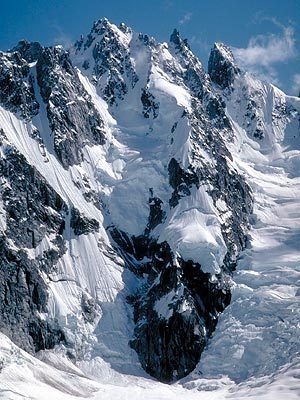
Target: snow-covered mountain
{"points": [[149, 221]]}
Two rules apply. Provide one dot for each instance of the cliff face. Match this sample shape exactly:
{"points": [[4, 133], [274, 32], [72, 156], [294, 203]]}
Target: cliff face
{"points": [[119, 195]]}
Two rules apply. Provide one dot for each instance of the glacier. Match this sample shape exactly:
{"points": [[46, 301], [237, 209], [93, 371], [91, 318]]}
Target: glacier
{"points": [[149, 216]]}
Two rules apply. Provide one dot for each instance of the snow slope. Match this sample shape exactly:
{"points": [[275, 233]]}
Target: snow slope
{"points": [[259, 332]]}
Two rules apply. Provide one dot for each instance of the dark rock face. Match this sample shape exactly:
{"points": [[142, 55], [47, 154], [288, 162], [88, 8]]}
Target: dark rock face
{"points": [[221, 67], [175, 309], [89, 308], [23, 297], [181, 181], [180, 44], [73, 119], [150, 107], [28, 198], [236, 193], [72, 116], [33, 210], [175, 314], [192, 73], [29, 51], [156, 214], [111, 60], [199, 83], [16, 86], [82, 225]]}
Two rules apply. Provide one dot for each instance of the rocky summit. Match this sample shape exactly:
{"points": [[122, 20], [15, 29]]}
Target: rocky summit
{"points": [[125, 203]]}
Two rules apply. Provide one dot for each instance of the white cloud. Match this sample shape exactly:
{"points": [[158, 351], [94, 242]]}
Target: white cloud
{"points": [[63, 40], [265, 51], [186, 18], [61, 37]]}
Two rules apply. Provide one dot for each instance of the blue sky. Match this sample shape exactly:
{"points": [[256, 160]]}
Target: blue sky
{"points": [[264, 33]]}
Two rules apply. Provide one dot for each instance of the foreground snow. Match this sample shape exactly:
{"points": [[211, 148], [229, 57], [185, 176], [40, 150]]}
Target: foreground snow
{"points": [[26, 377]]}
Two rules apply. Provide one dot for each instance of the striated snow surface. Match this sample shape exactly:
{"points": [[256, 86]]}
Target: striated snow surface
{"points": [[258, 334]]}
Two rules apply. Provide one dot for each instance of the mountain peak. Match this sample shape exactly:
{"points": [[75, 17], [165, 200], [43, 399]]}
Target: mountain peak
{"points": [[175, 37], [221, 65], [30, 51], [100, 24], [103, 27], [179, 43]]}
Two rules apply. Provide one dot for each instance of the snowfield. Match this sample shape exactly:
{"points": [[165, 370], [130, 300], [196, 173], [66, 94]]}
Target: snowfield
{"points": [[26, 377]]}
